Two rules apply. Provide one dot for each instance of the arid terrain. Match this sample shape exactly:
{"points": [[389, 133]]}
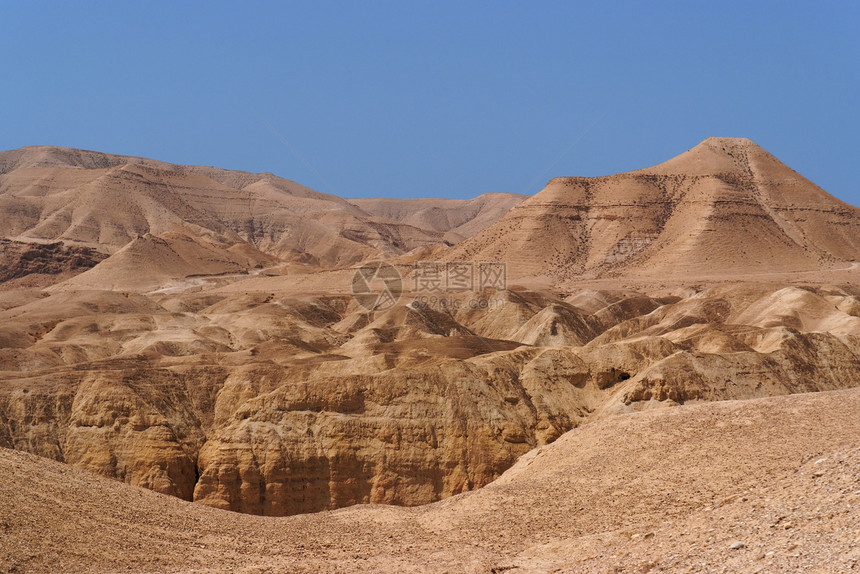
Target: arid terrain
{"points": [[665, 376]]}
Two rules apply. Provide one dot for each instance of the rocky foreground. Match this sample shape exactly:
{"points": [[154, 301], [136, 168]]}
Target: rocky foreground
{"points": [[765, 485]]}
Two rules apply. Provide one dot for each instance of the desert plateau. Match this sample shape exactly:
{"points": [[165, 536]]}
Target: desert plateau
{"points": [[206, 370]]}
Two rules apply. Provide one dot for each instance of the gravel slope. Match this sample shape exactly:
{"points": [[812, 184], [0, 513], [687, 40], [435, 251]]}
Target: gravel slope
{"points": [[766, 485]]}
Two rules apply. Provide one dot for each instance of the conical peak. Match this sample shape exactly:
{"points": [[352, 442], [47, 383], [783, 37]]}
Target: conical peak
{"points": [[729, 146], [712, 156], [728, 142]]}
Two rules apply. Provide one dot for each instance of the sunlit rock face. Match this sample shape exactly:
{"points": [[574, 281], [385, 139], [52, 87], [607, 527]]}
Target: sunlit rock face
{"points": [[191, 330]]}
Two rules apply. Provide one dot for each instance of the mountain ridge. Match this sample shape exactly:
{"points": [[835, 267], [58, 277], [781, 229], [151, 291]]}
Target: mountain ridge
{"points": [[204, 342], [104, 201], [705, 208]]}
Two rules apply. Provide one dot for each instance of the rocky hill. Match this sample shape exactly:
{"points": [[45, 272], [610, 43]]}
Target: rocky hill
{"points": [[194, 333], [456, 218], [105, 201], [724, 207]]}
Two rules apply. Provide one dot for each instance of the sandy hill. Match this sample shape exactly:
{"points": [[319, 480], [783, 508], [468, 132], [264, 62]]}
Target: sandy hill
{"points": [[150, 261], [104, 201], [456, 218], [768, 485], [724, 207]]}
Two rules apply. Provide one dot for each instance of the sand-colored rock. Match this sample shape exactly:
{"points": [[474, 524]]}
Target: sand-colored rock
{"points": [[456, 218], [216, 354], [303, 408], [724, 207], [38, 264], [668, 489], [105, 201]]}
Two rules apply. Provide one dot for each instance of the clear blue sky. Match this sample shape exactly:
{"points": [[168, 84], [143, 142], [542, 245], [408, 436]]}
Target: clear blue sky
{"points": [[445, 99]]}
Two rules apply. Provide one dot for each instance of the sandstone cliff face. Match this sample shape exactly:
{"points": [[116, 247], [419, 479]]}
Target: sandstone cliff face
{"points": [[270, 405], [120, 419], [398, 437]]}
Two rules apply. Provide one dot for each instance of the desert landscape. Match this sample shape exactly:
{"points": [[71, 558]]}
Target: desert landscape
{"points": [[203, 370]]}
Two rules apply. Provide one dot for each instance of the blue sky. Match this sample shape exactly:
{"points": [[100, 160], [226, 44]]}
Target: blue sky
{"points": [[444, 99]]}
